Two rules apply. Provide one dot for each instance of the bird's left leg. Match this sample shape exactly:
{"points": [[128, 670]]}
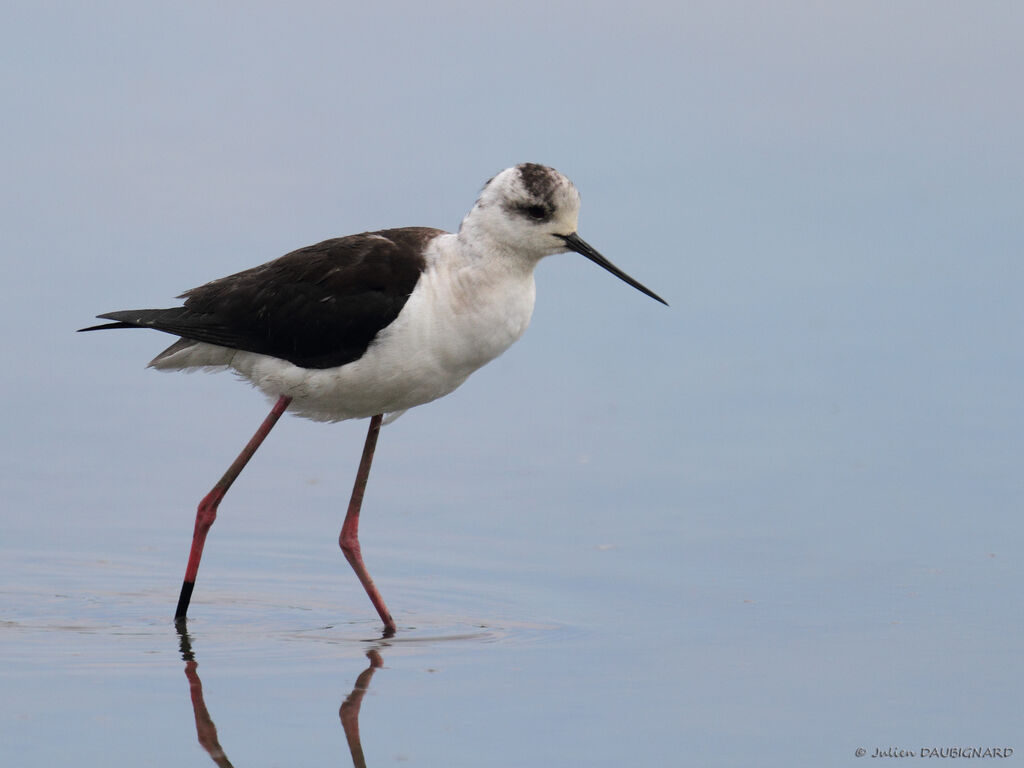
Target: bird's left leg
{"points": [[207, 511]]}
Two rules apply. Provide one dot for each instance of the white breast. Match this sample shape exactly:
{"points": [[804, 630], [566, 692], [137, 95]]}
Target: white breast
{"points": [[464, 312]]}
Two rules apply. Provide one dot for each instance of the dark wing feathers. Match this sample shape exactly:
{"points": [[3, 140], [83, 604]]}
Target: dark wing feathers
{"points": [[317, 307]]}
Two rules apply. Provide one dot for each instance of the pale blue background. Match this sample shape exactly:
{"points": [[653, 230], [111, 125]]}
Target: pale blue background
{"points": [[773, 523]]}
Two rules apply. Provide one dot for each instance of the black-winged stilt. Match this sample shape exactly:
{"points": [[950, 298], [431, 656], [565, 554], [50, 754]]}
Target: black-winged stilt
{"points": [[372, 324]]}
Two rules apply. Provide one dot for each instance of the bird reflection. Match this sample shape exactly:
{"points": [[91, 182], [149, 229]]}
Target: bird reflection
{"points": [[349, 711], [206, 731]]}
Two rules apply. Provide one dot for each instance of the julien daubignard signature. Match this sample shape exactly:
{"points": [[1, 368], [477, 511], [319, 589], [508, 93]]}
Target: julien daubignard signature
{"points": [[941, 752]]}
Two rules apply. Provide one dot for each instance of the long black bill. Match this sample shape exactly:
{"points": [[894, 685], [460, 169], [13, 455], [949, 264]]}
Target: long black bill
{"points": [[578, 244]]}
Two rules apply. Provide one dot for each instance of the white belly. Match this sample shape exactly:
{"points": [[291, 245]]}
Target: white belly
{"points": [[451, 325]]}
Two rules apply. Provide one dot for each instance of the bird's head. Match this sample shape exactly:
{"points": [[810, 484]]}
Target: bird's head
{"points": [[531, 211], [525, 209]]}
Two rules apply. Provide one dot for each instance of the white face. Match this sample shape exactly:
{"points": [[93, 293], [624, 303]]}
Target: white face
{"points": [[530, 211], [525, 208]]}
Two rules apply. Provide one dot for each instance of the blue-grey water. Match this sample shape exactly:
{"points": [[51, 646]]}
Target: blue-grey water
{"points": [[773, 524], [532, 628]]}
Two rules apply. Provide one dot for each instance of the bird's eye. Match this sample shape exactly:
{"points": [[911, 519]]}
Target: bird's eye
{"points": [[537, 212]]}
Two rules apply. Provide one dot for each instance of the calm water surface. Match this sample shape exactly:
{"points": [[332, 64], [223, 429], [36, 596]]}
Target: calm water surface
{"points": [[572, 650]]}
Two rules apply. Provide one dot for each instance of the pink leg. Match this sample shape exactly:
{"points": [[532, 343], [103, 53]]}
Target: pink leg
{"points": [[207, 511], [349, 538]]}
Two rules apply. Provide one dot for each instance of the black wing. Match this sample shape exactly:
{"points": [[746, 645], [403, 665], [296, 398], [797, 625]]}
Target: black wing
{"points": [[317, 307]]}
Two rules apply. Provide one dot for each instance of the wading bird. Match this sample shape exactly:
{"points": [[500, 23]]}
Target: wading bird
{"points": [[370, 325]]}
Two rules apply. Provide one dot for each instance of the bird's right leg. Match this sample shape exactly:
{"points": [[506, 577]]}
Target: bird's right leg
{"points": [[349, 538], [207, 511]]}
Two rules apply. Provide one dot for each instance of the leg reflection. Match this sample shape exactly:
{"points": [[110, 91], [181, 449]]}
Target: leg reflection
{"points": [[349, 711], [205, 729]]}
